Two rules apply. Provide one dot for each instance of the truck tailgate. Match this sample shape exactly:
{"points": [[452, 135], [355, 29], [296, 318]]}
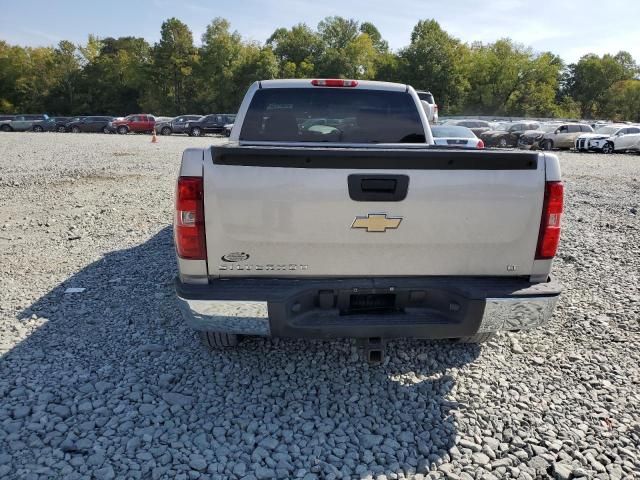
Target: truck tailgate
{"points": [[371, 212]]}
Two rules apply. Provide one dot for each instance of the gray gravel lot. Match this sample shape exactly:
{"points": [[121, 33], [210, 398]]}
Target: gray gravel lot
{"points": [[108, 383]]}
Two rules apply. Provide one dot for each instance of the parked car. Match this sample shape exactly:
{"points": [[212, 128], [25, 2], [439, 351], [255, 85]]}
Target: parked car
{"points": [[227, 129], [529, 137], [209, 124], [90, 124], [564, 136], [140, 123], [478, 127], [610, 138], [55, 124], [24, 123], [455, 136], [175, 125], [429, 105], [507, 134]]}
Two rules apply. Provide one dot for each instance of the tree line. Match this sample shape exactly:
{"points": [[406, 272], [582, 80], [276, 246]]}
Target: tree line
{"points": [[174, 76]]}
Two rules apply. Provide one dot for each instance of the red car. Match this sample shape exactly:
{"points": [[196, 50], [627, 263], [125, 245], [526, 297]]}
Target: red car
{"points": [[140, 123]]}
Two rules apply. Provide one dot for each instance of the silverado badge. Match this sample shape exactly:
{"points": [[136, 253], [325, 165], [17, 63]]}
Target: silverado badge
{"points": [[376, 222]]}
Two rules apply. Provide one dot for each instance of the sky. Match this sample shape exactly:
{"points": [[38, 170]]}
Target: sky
{"points": [[566, 28]]}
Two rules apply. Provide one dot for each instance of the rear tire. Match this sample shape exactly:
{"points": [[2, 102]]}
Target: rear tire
{"points": [[38, 128], [218, 340], [75, 130], [6, 128], [477, 338], [61, 129], [502, 143], [106, 130]]}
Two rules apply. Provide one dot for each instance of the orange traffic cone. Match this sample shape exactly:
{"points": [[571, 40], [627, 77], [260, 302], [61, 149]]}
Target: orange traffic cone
{"points": [[154, 138]]}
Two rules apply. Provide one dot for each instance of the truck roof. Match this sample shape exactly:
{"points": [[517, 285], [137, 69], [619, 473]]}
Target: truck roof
{"points": [[306, 83]]}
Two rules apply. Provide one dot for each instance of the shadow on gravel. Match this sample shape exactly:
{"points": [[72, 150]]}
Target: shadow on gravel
{"points": [[114, 385]]}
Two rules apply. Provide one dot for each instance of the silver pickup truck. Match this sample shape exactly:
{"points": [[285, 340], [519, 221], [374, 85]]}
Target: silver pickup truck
{"points": [[330, 213]]}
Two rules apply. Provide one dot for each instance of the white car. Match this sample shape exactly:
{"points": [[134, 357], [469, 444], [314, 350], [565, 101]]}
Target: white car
{"points": [[455, 136], [429, 105], [610, 138]]}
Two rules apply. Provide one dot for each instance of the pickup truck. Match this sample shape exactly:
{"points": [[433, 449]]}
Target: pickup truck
{"points": [[141, 123], [363, 230]]}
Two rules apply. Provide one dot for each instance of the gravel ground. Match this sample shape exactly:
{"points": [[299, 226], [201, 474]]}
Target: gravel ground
{"points": [[108, 383]]}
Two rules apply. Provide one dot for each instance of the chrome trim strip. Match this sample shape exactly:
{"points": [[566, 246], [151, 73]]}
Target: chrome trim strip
{"points": [[516, 313], [229, 316]]}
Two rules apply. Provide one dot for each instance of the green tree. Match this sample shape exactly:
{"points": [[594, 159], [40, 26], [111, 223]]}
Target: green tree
{"points": [[337, 32], [64, 71], [221, 50], [297, 50], [254, 63], [174, 58], [434, 61], [623, 101], [590, 79], [115, 80], [381, 45], [349, 50]]}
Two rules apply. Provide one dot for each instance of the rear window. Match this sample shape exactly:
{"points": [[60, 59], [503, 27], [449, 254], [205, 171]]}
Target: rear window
{"points": [[427, 97], [332, 115]]}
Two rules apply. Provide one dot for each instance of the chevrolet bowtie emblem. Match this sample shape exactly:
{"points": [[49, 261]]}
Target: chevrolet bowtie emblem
{"points": [[376, 222]]}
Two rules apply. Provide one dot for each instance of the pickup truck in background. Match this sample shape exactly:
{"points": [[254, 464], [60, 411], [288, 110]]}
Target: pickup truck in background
{"points": [[141, 123], [363, 228], [429, 105]]}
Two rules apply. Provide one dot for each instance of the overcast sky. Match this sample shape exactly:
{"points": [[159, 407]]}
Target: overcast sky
{"points": [[570, 29]]}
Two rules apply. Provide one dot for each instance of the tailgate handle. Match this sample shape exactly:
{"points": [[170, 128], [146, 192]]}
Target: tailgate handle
{"points": [[387, 185], [378, 188]]}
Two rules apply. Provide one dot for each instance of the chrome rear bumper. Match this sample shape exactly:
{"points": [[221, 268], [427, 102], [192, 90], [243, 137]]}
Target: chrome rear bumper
{"points": [[445, 307]]}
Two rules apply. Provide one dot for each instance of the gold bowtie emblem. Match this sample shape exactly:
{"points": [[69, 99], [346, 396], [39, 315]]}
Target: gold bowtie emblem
{"points": [[376, 222]]}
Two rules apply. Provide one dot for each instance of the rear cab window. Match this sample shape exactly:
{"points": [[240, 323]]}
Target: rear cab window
{"points": [[427, 97], [332, 115]]}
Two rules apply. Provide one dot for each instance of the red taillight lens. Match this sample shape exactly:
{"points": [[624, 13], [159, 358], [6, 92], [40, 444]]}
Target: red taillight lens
{"points": [[189, 219], [480, 144], [334, 82], [549, 236]]}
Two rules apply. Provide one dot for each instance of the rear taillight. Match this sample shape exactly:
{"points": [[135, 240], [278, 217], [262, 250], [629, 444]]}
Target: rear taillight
{"points": [[549, 236], [334, 82], [480, 144], [189, 219]]}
